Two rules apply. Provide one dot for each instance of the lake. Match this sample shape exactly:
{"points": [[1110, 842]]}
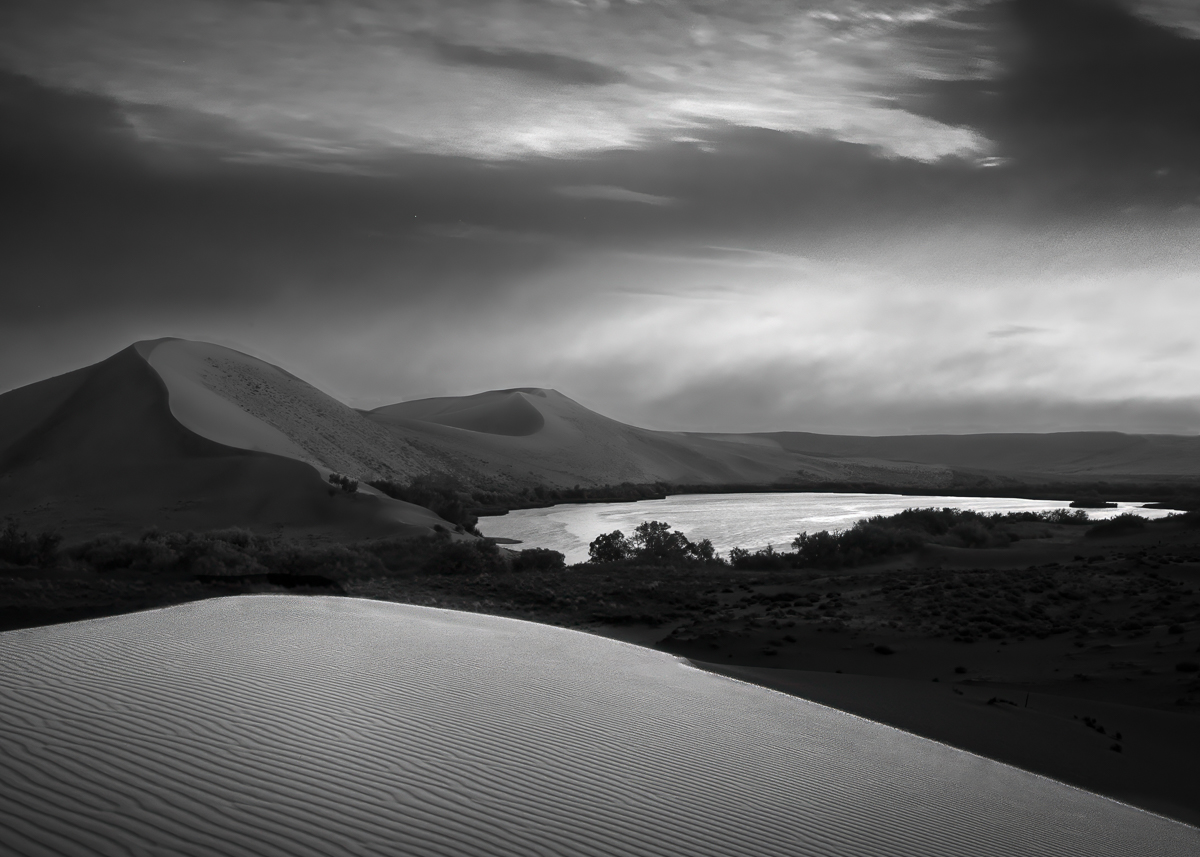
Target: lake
{"points": [[750, 521]]}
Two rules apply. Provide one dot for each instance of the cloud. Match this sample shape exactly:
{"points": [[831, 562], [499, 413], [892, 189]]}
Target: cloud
{"points": [[355, 77], [613, 194], [1011, 330], [546, 66], [1092, 106]]}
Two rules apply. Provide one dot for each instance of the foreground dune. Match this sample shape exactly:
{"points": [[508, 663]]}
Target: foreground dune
{"points": [[290, 725]]}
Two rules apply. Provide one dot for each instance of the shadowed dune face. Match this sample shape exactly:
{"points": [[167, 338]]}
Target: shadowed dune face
{"points": [[276, 724], [504, 412]]}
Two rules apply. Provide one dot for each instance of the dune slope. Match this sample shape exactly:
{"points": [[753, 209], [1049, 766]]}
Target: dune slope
{"points": [[99, 449], [290, 725], [244, 402]]}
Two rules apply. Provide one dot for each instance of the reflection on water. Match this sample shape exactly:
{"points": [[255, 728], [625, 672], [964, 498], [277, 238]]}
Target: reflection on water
{"points": [[742, 520]]}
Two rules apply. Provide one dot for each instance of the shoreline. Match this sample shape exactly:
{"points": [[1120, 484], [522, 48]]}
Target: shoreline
{"points": [[1153, 494]]}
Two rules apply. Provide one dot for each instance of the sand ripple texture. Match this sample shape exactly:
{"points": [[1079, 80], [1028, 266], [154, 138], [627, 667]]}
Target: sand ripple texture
{"points": [[296, 726]]}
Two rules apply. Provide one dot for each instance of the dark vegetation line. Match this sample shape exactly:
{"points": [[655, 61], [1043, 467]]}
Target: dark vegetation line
{"points": [[869, 540], [239, 553]]}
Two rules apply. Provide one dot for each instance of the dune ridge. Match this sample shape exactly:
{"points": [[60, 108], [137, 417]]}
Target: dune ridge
{"points": [[245, 402], [290, 725]]}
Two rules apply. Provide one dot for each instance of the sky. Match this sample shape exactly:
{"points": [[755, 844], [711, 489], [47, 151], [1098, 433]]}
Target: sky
{"points": [[842, 216]]}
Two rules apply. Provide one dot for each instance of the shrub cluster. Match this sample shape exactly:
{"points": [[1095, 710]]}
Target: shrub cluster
{"points": [[237, 553], [539, 559], [652, 542], [542, 495], [441, 493], [344, 482], [868, 540], [1118, 526], [20, 548]]}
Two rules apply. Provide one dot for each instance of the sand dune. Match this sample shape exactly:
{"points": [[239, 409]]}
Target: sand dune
{"points": [[99, 449], [531, 436], [244, 402], [290, 725]]}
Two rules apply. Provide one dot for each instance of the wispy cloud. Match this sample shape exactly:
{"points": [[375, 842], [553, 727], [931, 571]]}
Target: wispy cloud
{"points": [[552, 67], [613, 194], [498, 81], [1011, 330]]}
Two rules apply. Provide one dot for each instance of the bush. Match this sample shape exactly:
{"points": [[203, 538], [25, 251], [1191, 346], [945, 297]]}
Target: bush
{"points": [[440, 493], [462, 558], [20, 548], [654, 543], [539, 559], [1118, 526], [609, 547], [764, 559], [344, 482], [1078, 517]]}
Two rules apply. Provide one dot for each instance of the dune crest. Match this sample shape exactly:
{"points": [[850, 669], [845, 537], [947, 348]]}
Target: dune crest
{"points": [[505, 412], [244, 402], [283, 724]]}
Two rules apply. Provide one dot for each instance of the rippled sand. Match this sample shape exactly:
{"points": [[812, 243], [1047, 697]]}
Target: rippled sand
{"points": [[292, 725]]}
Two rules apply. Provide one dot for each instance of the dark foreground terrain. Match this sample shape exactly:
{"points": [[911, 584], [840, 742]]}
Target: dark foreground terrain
{"points": [[1068, 651]]}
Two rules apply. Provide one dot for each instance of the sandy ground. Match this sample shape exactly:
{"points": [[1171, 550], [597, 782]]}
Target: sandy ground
{"points": [[287, 725]]}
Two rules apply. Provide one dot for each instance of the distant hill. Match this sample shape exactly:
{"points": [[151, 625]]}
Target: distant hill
{"points": [[528, 436], [192, 435], [1075, 454]]}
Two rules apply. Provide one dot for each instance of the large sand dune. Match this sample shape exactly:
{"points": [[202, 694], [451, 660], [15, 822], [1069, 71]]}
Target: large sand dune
{"points": [[304, 726], [100, 449]]}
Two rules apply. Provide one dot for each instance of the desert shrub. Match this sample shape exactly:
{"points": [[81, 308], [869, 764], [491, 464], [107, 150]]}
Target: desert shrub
{"points": [[539, 559], [441, 493], [1076, 517], [972, 534], [652, 543], [20, 548], [1118, 526], [764, 559], [336, 562], [864, 542], [344, 482], [463, 558], [609, 547]]}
